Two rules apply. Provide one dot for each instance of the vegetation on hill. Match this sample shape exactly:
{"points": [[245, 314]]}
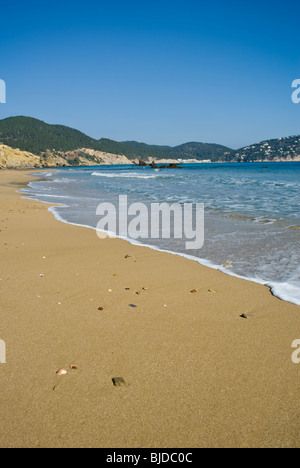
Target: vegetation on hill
{"points": [[33, 135], [40, 138]]}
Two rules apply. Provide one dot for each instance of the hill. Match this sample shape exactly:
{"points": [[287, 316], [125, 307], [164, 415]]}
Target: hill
{"points": [[280, 149], [65, 145], [35, 136]]}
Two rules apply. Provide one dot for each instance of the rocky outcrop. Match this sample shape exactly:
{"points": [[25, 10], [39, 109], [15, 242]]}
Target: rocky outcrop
{"points": [[90, 157], [16, 159]]}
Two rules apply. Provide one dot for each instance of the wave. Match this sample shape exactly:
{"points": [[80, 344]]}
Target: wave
{"points": [[125, 175], [288, 292]]}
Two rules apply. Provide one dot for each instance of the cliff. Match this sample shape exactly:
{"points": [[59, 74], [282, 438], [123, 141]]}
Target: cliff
{"points": [[16, 159]]}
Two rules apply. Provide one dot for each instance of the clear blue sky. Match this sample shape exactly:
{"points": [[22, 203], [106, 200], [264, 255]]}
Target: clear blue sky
{"points": [[162, 72]]}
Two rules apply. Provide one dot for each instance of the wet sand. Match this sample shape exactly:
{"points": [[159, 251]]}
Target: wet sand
{"points": [[196, 373]]}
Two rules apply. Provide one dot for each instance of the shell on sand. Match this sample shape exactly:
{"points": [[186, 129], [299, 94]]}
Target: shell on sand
{"points": [[61, 372]]}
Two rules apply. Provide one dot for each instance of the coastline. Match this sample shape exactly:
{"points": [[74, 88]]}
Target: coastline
{"points": [[198, 375]]}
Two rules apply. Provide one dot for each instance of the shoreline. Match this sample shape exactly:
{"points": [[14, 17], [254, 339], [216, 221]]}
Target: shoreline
{"points": [[275, 288], [134, 163], [197, 374]]}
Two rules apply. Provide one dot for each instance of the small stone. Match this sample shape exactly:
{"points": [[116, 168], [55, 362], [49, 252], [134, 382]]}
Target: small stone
{"points": [[246, 316], [212, 291], [73, 367], [100, 308], [194, 291], [61, 372], [118, 382], [133, 306], [138, 293]]}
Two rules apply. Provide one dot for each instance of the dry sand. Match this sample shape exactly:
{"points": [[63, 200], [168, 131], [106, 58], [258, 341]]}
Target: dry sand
{"points": [[197, 374]]}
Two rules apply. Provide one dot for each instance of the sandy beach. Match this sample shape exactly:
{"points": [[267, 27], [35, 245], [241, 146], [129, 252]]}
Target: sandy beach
{"points": [[196, 373]]}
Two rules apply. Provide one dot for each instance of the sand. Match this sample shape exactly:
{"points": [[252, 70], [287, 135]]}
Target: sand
{"points": [[196, 373]]}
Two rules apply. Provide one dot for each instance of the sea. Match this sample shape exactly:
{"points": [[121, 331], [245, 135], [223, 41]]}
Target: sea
{"points": [[251, 220]]}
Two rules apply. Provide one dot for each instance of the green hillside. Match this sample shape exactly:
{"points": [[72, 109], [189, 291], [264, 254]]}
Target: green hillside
{"points": [[35, 136]]}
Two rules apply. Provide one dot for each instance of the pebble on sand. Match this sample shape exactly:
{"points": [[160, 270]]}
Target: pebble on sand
{"points": [[194, 291], [118, 382], [100, 308], [246, 316], [61, 372]]}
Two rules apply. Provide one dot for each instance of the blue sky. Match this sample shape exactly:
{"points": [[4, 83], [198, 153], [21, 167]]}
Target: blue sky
{"points": [[162, 72]]}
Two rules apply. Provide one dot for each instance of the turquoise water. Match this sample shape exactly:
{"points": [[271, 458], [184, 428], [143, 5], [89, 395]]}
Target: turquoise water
{"points": [[252, 214]]}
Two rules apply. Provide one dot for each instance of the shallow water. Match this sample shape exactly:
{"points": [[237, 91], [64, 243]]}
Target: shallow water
{"points": [[252, 214]]}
